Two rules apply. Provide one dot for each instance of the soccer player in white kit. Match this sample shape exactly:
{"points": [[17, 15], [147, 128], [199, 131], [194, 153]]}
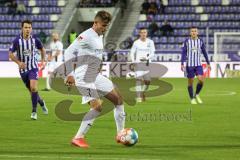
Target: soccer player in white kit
{"points": [[55, 58], [141, 53], [90, 43]]}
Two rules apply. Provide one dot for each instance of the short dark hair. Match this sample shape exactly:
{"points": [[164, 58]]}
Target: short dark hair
{"points": [[193, 27], [104, 16], [26, 21], [142, 28]]}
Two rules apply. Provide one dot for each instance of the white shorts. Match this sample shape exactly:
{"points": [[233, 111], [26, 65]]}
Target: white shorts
{"points": [[53, 65], [94, 90], [142, 71]]}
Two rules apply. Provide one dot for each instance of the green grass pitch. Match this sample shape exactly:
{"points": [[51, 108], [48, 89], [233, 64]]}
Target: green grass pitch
{"points": [[209, 131]]}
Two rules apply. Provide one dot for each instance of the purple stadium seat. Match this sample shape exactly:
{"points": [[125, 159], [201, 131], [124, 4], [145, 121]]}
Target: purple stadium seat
{"points": [[24, 1], [171, 40], [163, 39], [181, 15], [156, 40]]}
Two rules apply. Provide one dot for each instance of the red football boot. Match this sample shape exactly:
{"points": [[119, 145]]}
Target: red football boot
{"points": [[80, 142]]}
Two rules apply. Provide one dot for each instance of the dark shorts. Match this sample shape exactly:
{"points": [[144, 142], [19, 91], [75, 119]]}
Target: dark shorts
{"points": [[29, 75], [194, 71]]}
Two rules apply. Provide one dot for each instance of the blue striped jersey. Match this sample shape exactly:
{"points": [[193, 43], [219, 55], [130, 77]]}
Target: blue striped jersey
{"points": [[191, 52], [26, 50]]}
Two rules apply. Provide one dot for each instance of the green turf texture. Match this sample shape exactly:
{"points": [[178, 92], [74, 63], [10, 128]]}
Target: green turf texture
{"points": [[210, 132]]}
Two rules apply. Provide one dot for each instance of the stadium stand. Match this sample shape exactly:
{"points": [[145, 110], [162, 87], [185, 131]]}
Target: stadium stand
{"points": [[218, 15], [44, 14], [215, 14], [97, 3]]}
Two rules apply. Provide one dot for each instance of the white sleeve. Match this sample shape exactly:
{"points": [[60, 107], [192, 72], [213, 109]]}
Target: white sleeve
{"points": [[132, 52], [60, 46], [72, 52], [51, 46], [152, 50], [69, 55]]}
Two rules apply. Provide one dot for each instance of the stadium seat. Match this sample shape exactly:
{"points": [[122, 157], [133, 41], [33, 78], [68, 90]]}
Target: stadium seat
{"points": [[41, 18], [182, 15]]}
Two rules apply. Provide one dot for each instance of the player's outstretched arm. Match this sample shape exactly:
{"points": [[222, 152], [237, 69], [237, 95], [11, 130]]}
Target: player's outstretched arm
{"points": [[14, 59], [13, 49], [43, 54], [203, 48], [152, 51], [69, 55], [132, 52], [184, 55], [42, 50]]}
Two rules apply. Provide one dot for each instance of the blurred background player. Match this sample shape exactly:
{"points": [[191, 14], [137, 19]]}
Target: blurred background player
{"points": [[192, 49], [90, 44], [54, 58], [141, 53], [26, 45]]}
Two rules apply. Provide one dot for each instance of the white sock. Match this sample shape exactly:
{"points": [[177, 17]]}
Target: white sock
{"points": [[87, 122], [48, 81], [138, 88], [119, 116]]}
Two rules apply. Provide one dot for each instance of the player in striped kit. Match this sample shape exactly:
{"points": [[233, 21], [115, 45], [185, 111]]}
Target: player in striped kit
{"points": [[25, 46], [192, 49]]}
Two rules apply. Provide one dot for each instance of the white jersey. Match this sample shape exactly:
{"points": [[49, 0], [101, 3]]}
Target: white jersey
{"points": [[87, 43], [57, 46], [142, 50], [88, 48]]}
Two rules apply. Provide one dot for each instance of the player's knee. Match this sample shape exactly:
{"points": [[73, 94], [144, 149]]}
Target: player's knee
{"points": [[201, 81], [119, 100], [33, 89], [98, 108], [96, 104], [147, 82], [190, 83]]}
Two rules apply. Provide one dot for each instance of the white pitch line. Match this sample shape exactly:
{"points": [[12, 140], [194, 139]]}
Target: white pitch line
{"points": [[68, 157], [227, 93], [214, 93]]}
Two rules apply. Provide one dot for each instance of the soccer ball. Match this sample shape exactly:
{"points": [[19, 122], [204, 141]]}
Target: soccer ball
{"points": [[130, 75], [128, 137]]}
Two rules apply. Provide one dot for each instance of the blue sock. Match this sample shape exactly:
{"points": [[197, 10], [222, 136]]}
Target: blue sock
{"points": [[34, 101], [190, 91], [40, 101], [199, 87]]}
